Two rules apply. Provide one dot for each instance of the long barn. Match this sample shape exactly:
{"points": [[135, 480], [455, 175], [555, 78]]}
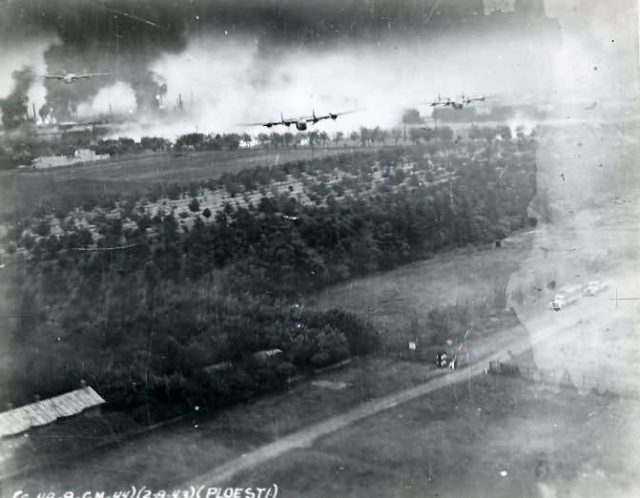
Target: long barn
{"points": [[40, 413]]}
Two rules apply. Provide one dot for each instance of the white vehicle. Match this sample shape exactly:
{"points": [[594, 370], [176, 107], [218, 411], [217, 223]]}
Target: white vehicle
{"points": [[594, 287], [559, 302], [565, 297]]}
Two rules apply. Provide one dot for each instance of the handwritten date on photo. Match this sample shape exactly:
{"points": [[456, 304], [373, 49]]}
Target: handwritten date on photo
{"points": [[192, 492]]}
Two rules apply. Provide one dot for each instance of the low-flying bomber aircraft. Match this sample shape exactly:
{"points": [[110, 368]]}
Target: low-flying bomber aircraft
{"points": [[72, 77], [438, 101], [300, 123], [458, 103]]}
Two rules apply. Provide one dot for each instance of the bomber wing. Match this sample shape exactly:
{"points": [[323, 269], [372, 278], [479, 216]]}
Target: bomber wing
{"points": [[91, 75]]}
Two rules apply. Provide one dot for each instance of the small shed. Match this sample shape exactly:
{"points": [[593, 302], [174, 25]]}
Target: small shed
{"points": [[24, 418], [267, 354]]}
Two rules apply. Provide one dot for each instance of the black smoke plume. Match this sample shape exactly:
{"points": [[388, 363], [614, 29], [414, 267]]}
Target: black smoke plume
{"points": [[15, 107]]}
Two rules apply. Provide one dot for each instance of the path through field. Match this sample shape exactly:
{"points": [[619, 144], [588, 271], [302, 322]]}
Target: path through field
{"points": [[544, 328]]}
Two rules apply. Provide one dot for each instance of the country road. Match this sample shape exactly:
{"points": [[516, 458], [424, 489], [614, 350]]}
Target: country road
{"points": [[547, 326]]}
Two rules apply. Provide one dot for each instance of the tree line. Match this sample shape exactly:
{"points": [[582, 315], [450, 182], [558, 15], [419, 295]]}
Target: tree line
{"points": [[23, 149]]}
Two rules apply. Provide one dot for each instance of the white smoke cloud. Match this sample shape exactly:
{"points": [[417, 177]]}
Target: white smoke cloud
{"points": [[226, 81], [213, 79], [118, 98]]}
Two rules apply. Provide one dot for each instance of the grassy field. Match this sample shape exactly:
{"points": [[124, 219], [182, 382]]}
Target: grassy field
{"points": [[22, 190], [185, 166], [397, 300], [496, 436], [174, 454]]}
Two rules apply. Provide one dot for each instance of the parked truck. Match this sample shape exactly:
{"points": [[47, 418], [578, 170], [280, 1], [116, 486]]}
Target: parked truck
{"points": [[565, 296]]}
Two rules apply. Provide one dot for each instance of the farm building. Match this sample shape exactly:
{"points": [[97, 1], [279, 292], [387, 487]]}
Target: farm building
{"points": [[267, 354], [79, 156], [41, 413]]}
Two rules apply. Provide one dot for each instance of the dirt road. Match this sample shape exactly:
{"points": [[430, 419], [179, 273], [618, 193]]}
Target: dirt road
{"points": [[547, 325]]}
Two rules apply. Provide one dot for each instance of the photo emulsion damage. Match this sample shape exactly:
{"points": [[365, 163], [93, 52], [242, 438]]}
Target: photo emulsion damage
{"points": [[330, 248]]}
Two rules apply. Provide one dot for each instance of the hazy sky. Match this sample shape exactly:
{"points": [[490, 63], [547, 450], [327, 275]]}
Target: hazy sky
{"points": [[238, 61]]}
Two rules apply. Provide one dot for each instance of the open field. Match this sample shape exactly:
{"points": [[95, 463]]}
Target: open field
{"points": [[184, 166], [203, 441], [492, 437], [395, 299], [23, 190]]}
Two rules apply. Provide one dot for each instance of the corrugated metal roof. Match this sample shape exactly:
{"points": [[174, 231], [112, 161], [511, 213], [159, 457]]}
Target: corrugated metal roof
{"points": [[49, 410]]}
